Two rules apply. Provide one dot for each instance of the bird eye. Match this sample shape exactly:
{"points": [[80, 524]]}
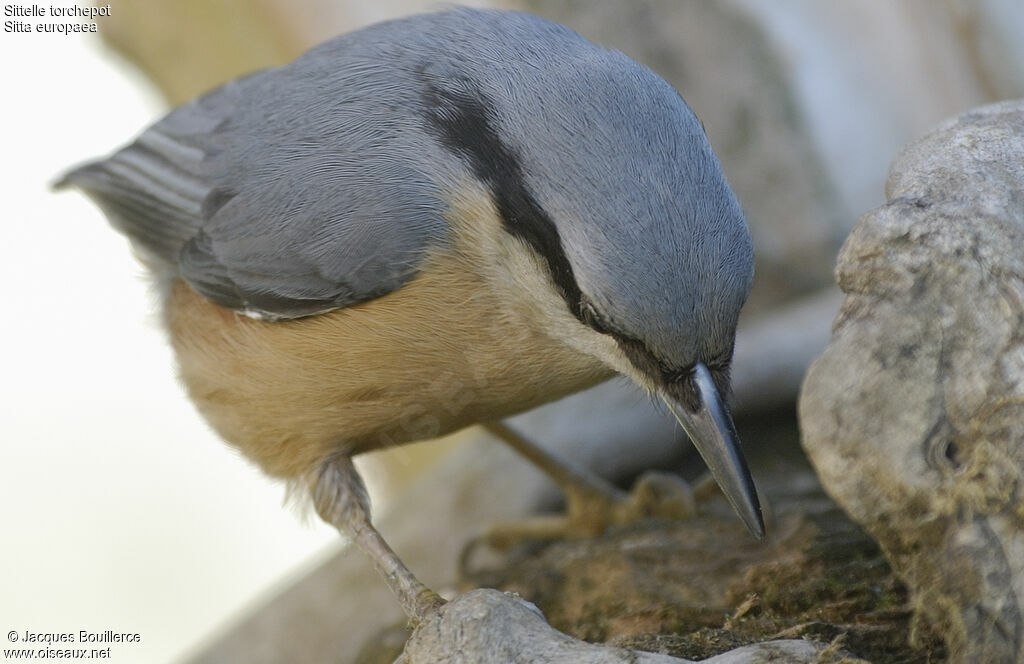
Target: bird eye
{"points": [[679, 375], [685, 388], [721, 362]]}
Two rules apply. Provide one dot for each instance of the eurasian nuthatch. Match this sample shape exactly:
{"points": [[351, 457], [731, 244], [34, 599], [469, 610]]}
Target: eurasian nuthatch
{"points": [[429, 223]]}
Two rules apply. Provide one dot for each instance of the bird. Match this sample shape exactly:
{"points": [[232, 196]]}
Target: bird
{"points": [[433, 222]]}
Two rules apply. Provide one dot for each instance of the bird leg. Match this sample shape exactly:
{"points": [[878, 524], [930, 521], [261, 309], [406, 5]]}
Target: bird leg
{"points": [[592, 503], [341, 500]]}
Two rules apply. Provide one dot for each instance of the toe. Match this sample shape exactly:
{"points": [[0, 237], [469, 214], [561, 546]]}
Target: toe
{"points": [[662, 495]]}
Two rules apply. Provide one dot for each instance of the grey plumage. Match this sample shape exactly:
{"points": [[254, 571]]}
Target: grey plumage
{"points": [[322, 184], [575, 218]]}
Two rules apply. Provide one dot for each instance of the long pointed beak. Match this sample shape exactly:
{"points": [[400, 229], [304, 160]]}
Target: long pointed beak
{"points": [[711, 429]]}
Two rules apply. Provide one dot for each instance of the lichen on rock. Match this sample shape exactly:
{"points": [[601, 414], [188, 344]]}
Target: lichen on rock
{"points": [[914, 415]]}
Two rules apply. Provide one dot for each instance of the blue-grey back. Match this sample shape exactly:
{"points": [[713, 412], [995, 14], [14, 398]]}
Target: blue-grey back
{"points": [[323, 183]]}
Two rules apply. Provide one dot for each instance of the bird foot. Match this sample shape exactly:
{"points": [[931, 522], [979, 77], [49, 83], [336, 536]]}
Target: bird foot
{"points": [[595, 506], [426, 606], [340, 498]]}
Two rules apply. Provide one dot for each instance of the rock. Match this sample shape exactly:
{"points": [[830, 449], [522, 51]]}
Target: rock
{"points": [[490, 626], [914, 415]]}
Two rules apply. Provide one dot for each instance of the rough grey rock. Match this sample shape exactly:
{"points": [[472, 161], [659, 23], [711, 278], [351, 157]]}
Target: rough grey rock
{"points": [[491, 626], [914, 415]]}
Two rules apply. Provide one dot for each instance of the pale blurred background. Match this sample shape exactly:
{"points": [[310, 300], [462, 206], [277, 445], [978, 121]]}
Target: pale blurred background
{"points": [[122, 511]]}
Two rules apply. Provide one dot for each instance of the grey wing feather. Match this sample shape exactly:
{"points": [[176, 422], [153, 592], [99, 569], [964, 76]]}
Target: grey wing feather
{"points": [[286, 193], [146, 196]]}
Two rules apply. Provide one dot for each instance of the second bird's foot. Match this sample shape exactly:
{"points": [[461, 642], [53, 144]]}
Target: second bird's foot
{"points": [[593, 508], [428, 603]]}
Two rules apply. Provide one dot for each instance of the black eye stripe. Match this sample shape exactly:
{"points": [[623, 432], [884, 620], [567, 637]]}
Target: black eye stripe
{"points": [[461, 117]]}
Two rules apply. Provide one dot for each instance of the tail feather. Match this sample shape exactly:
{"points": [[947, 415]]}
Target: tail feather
{"points": [[146, 197]]}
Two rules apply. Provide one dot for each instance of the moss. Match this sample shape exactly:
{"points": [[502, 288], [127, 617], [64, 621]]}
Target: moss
{"points": [[701, 587]]}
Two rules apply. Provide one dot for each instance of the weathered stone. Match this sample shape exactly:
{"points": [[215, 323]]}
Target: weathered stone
{"points": [[914, 415], [490, 626]]}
